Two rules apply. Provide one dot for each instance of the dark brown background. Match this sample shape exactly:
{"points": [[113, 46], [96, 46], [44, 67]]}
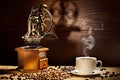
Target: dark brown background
{"points": [[13, 25]]}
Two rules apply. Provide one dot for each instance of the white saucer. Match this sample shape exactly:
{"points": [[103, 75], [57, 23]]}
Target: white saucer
{"points": [[76, 72]]}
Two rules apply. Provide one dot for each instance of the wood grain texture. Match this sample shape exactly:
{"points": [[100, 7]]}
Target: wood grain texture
{"points": [[91, 13]]}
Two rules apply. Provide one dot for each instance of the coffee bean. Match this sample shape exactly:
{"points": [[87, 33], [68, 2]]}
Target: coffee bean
{"points": [[113, 73], [103, 73], [110, 75], [104, 69], [106, 77], [101, 69]]}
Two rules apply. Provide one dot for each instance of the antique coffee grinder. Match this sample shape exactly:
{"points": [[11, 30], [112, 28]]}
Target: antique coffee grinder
{"points": [[33, 57]]}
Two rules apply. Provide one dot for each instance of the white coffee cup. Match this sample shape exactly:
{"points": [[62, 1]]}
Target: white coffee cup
{"points": [[87, 65]]}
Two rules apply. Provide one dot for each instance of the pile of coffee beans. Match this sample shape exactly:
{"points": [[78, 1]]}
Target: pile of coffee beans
{"points": [[51, 73], [67, 69]]}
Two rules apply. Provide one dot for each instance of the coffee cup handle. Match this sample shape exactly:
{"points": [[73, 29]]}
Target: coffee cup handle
{"points": [[99, 61]]}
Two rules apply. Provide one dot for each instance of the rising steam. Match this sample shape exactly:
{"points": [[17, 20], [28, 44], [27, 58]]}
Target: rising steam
{"points": [[88, 42]]}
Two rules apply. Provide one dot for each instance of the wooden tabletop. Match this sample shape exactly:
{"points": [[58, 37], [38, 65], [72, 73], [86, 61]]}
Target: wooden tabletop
{"points": [[59, 73]]}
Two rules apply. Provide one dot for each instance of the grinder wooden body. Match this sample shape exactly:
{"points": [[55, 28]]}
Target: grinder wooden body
{"points": [[32, 59]]}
